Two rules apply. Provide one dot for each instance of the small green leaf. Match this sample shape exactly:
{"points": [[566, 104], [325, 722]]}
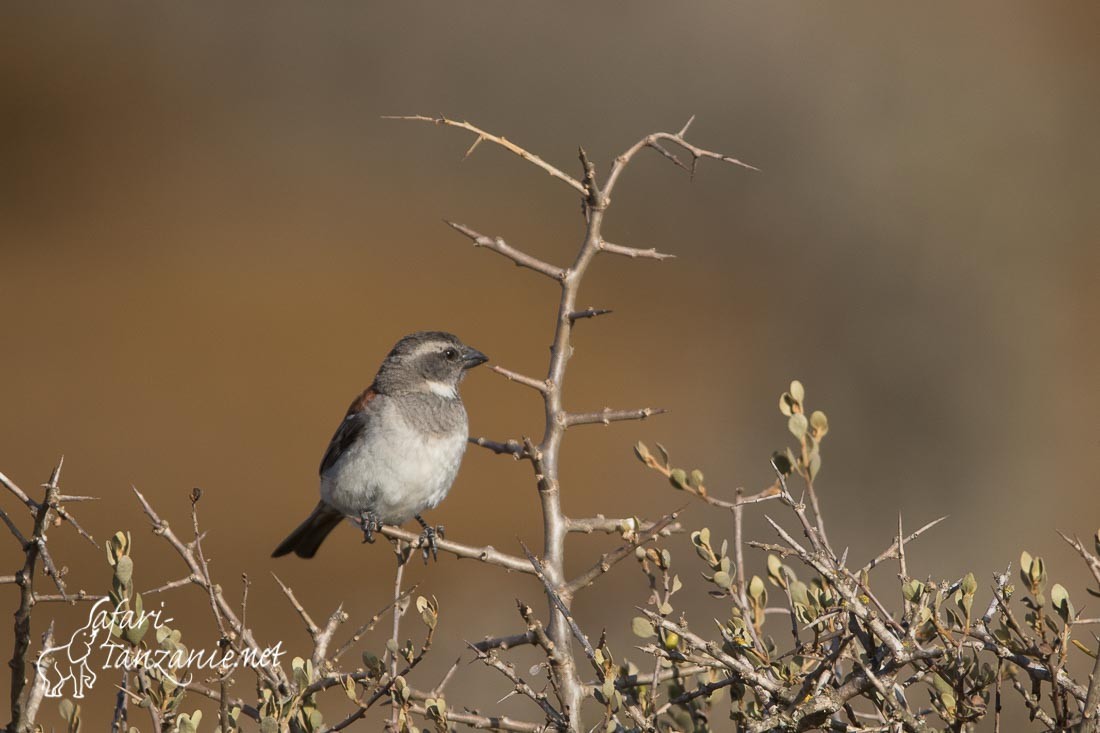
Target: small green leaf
{"points": [[775, 571], [695, 480], [1038, 571], [678, 478], [912, 590], [815, 465], [124, 570], [820, 423], [1059, 598], [642, 627], [664, 455], [797, 425], [798, 391], [757, 590]]}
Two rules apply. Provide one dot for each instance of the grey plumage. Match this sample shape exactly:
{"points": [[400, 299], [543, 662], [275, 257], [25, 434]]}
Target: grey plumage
{"points": [[307, 538], [398, 449]]}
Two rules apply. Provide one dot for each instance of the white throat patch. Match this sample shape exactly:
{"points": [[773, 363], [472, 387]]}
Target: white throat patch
{"points": [[443, 390]]}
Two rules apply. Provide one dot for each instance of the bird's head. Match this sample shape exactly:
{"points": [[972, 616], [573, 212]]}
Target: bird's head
{"points": [[428, 361]]}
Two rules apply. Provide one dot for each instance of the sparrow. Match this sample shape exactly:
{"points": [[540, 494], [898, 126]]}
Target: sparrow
{"points": [[398, 448]]}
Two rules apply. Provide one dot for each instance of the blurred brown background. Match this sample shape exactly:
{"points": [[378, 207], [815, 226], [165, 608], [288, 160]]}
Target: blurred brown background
{"points": [[210, 239]]}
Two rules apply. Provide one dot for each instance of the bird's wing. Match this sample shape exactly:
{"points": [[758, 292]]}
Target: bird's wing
{"points": [[352, 426]]}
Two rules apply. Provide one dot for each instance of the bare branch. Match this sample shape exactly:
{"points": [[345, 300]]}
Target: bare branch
{"points": [[607, 416], [506, 144], [366, 628], [487, 554], [1091, 560], [504, 642], [399, 608], [589, 313], [311, 627], [38, 689], [538, 385], [487, 722], [33, 551], [498, 245], [610, 559], [11, 486], [654, 141], [14, 529], [510, 447], [896, 550], [173, 584], [519, 685], [242, 635], [625, 527], [556, 597], [650, 254]]}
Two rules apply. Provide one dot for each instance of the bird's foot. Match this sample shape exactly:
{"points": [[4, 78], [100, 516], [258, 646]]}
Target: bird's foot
{"points": [[371, 524], [428, 537]]}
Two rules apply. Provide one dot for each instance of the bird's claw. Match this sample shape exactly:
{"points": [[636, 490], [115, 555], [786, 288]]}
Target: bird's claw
{"points": [[371, 524], [427, 541]]}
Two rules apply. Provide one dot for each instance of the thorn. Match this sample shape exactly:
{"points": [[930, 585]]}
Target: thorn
{"points": [[471, 148], [684, 129], [56, 475]]}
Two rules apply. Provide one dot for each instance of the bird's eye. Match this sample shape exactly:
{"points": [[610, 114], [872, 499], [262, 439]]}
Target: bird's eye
{"points": [[450, 354]]}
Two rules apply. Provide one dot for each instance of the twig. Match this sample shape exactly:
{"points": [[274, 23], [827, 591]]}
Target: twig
{"points": [[498, 245], [33, 551], [506, 144], [504, 642], [520, 686], [897, 549], [371, 623], [487, 554], [562, 607], [509, 447], [653, 141], [274, 675], [398, 612], [611, 525], [651, 254], [535, 384], [589, 313], [609, 559], [607, 416], [487, 722]]}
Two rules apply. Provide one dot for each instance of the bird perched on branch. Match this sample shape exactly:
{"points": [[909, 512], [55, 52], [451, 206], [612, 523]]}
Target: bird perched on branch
{"points": [[398, 448]]}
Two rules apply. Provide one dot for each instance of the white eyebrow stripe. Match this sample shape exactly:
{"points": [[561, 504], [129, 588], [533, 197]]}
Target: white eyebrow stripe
{"points": [[426, 348], [443, 390]]}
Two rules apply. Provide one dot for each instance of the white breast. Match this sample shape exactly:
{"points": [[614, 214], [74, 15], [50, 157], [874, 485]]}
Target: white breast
{"points": [[396, 471]]}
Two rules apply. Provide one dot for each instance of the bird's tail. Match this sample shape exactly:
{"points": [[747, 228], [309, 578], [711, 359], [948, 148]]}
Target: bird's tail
{"points": [[309, 535]]}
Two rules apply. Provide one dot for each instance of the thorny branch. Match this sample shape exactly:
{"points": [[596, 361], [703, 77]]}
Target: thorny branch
{"points": [[544, 457]]}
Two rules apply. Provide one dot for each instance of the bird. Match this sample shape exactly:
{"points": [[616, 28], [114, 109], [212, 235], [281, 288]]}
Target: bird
{"points": [[398, 449]]}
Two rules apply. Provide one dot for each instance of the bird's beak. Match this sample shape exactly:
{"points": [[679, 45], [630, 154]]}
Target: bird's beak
{"points": [[472, 358]]}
